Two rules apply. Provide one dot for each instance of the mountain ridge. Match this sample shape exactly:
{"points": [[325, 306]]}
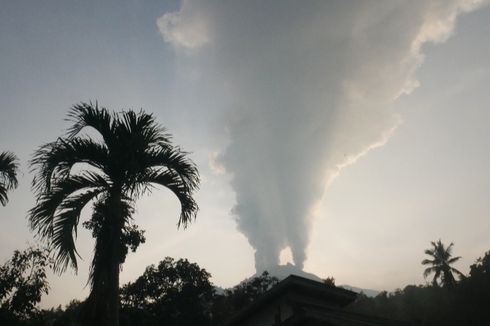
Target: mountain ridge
{"points": [[283, 271]]}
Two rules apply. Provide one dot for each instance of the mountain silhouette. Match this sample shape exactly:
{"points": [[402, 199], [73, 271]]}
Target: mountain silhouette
{"points": [[283, 271]]}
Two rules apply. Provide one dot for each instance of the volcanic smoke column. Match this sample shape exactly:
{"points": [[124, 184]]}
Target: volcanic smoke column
{"points": [[307, 87]]}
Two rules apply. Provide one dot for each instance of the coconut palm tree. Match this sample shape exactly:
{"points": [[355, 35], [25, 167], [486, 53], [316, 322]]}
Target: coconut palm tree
{"points": [[131, 155], [440, 264], [8, 175]]}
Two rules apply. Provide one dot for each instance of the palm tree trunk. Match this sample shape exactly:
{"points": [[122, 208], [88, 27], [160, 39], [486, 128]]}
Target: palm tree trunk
{"points": [[103, 302], [113, 279]]}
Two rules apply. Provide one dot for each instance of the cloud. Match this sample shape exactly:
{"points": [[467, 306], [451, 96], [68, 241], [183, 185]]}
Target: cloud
{"points": [[309, 90], [185, 28]]}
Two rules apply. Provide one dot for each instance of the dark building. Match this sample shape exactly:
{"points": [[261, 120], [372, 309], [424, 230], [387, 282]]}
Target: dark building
{"points": [[297, 301]]}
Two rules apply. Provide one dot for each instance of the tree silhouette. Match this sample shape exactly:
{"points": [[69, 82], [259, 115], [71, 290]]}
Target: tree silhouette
{"points": [[23, 281], [440, 264], [8, 175], [240, 296], [134, 155], [174, 292]]}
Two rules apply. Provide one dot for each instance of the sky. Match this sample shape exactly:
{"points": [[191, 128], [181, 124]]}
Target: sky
{"points": [[341, 136]]}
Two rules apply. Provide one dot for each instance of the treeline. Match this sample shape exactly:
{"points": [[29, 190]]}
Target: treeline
{"points": [[178, 292], [467, 302], [174, 292]]}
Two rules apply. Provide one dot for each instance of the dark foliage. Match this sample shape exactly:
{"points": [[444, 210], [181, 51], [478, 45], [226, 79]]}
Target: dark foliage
{"points": [[240, 296], [8, 175], [22, 283], [180, 293], [330, 281], [70, 316], [465, 303], [171, 293]]}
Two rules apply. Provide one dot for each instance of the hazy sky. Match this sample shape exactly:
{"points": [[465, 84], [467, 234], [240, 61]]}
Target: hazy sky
{"points": [[354, 132]]}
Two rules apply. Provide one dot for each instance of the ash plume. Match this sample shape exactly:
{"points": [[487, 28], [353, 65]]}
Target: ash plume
{"points": [[308, 86]]}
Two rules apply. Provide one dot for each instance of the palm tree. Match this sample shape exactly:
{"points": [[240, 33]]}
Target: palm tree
{"points": [[133, 155], [440, 264], [8, 175]]}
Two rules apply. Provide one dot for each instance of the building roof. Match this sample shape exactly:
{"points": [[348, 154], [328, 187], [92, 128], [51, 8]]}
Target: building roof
{"points": [[314, 303], [298, 288]]}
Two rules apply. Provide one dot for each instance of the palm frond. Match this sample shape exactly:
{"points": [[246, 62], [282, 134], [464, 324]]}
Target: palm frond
{"points": [[427, 262], [55, 160], [176, 160], [8, 175], [454, 270], [453, 260], [143, 129], [429, 271], [449, 248], [89, 115], [3, 196], [65, 229], [429, 252], [172, 181], [42, 216]]}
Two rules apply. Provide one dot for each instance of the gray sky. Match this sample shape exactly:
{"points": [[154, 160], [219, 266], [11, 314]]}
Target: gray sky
{"points": [[220, 79]]}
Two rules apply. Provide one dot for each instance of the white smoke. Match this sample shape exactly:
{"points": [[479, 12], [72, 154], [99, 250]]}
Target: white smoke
{"points": [[182, 32], [312, 84]]}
